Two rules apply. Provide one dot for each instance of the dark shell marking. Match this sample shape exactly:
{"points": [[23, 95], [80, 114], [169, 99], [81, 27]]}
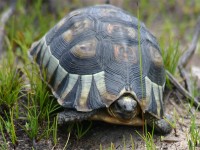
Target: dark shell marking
{"points": [[92, 57]]}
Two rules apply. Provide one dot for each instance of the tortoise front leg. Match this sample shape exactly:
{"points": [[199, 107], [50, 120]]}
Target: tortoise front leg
{"points": [[161, 126], [70, 115]]}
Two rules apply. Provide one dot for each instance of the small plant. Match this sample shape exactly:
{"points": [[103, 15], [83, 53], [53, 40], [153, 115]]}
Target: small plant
{"points": [[34, 122], [55, 129], [194, 134], [132, 142], [32, 125], [70, 127], [112, 146], [81, 131], [49, 129], [194, 87], [3, 144], [171, 57], [11, 84], [40, 95], [194, 90], [100, 147], [40, 107], [148, 138], [10, 127]]}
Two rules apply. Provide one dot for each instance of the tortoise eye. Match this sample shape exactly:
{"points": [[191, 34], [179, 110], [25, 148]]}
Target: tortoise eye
{"points": [[117, 106]]}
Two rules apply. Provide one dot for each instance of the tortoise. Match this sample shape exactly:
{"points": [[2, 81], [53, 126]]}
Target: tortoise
{"points": [[103, 64]]}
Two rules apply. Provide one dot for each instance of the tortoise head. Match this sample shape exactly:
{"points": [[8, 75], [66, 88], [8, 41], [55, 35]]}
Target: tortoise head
{"points": [[126, 107]]}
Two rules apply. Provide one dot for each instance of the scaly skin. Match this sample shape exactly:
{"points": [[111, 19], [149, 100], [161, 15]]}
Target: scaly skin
{"points": [[160, 125], [69, 115]]}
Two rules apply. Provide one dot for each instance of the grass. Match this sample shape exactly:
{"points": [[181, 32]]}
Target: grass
{"points": [[32, 122], [81, 130], [148, 138], [10, 127], [124, 147], [29, 101], [3, 144], [171, 55], [55, 130], [40, 95], [11, 84], [194, 138], [40, 107]]}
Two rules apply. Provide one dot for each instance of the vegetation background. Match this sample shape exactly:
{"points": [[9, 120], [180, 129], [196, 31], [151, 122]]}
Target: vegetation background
{"points": [[28, 110]]}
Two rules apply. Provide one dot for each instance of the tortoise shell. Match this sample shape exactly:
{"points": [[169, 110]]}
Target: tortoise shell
{"points": [[96, 54]]}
